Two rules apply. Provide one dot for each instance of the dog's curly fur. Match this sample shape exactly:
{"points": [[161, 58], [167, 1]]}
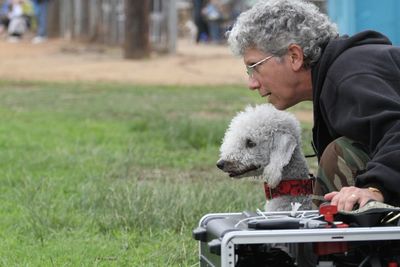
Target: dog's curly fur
{"points": [[264, 142]]}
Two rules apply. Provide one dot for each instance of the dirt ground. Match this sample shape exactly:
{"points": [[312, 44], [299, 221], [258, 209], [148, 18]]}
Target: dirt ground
{"points": [[60, 60], [55, 60]]}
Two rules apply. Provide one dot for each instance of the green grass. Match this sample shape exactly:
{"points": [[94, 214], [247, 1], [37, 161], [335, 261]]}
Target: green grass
{"points": [[114, 175]]}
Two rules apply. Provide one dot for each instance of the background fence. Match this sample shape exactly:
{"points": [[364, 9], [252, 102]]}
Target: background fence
{"points": [[103, 21]]}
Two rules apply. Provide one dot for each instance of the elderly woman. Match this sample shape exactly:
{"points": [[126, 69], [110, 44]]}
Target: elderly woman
{"points": [[293, 53]]}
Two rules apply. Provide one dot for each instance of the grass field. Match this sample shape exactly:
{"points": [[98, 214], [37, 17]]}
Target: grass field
{"points": [[114, 175]]}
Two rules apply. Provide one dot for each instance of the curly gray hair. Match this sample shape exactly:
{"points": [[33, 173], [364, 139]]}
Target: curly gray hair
{"points": [[272, 25]]}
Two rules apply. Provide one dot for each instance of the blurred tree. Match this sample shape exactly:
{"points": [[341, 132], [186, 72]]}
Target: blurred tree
{"points": [[137, 43], [53, 19], [84, 30]]}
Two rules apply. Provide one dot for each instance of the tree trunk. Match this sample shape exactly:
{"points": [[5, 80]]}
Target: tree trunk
{"points": [[85, 21], [137, 43], [53, 19]]}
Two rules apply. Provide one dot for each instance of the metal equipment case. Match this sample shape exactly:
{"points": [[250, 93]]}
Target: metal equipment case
{"points": [[222, 235]]}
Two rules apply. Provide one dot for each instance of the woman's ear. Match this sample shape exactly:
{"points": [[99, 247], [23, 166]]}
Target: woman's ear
{"points": [[296, 56]]}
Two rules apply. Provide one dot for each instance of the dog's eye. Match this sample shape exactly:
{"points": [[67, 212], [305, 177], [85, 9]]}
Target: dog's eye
{"points": [[250, 143]]}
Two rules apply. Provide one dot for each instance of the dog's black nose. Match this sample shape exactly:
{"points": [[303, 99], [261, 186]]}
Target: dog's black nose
{"points": [[221, 164]]}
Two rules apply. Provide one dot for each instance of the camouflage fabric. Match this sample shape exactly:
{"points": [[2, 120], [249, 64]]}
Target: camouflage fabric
{"points": [[341, 161]]}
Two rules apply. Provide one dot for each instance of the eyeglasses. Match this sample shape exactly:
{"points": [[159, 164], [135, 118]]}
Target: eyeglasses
{"points": [[251, 68]]}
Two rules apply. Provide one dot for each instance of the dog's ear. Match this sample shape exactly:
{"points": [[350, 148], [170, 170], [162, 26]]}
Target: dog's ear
{"points": [[281, 153]]}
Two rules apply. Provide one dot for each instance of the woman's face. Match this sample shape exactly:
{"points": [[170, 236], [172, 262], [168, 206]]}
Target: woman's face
{"points": [[274, 78]]}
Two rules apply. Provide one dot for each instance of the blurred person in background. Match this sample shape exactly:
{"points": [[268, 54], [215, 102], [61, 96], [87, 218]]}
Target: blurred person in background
{"points": [[212, 14], [199, 21], [40, 10], [4, 11], [27, 9], [17, 22]]}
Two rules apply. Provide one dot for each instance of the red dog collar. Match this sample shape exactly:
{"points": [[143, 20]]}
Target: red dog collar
{"points": [[290, 187]]}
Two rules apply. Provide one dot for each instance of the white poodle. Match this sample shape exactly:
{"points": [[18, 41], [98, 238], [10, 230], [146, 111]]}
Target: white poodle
{"points": [[264, 142]]}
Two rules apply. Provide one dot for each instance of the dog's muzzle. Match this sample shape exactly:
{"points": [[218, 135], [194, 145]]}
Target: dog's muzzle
{"points": [[221, 164], [231, 168]]}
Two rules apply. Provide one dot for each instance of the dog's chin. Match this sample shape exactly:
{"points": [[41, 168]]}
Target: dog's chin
{"points": [[253, 171]]}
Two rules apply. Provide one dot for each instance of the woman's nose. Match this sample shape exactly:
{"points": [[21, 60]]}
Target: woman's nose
{"points": [[253, 84]]}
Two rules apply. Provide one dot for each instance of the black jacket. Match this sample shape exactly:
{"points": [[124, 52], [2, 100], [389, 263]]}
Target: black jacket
{"points": [[356, 93]]}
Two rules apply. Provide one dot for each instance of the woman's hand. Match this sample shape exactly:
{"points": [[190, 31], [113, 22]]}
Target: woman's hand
{"points": [[349, 196]]}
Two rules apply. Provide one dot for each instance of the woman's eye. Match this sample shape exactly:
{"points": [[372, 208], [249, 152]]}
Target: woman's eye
{"points": [[250, 143]]}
